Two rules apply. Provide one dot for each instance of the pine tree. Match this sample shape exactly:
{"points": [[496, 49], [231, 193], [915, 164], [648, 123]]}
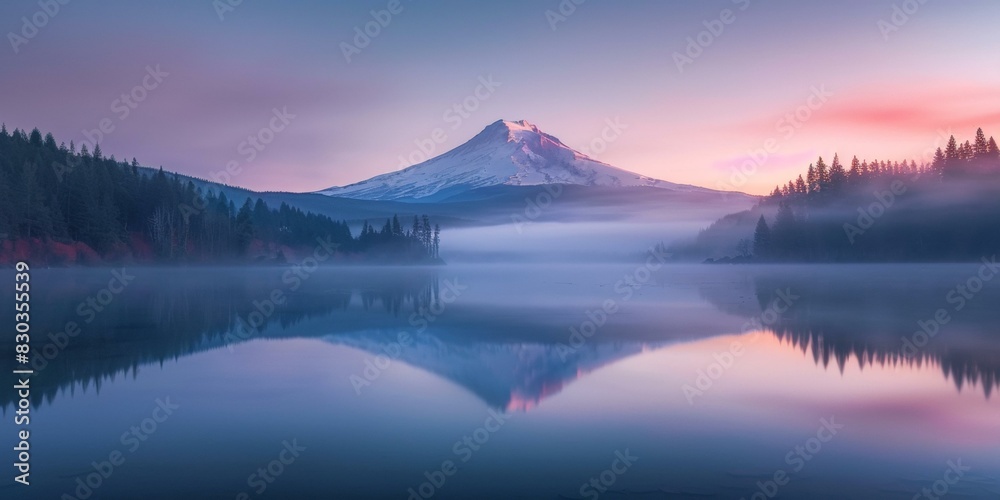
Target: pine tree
{"points": [[967, 152], [783, 235], [762, 240], [940, 161], [981, 147], [800, 185], [397, 230], [837, 175], [244, 227], [437, 240], [951, 153], [812, 184], [425, 236], [822, 175], [856, 172]]}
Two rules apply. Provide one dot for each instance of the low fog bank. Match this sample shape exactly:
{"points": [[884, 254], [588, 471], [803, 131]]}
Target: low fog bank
{"points": [[533, 225], [582, 242], [888, 219]]}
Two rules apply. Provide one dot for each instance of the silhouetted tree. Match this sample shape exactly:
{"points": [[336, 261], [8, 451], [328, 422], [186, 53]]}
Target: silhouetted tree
{"points": [[762, 240], [838, 177]]}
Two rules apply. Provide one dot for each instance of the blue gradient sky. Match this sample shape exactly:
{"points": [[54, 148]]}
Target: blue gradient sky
{"points": [[608, 60]]}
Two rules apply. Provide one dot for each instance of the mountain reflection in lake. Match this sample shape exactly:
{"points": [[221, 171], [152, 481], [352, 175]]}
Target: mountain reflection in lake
{"points": [[381, 372]]}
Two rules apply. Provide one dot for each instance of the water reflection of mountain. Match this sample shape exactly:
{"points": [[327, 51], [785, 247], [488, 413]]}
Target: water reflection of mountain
{"points": [[166, 314], [507, 376], [861, 314], [506, 352]]}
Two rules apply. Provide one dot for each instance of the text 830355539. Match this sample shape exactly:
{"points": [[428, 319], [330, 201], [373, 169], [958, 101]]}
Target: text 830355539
{"points": [[22, 327]]}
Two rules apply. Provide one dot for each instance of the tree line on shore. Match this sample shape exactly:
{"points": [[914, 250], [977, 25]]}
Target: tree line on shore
{"points": [[945, 209], [53, 194]]}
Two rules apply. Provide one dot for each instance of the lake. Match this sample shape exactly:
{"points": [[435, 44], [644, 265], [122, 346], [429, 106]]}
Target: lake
{"points": [[611, 380]]}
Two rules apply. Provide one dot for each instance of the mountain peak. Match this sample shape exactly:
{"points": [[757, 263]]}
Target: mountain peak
{"points": [[513, 153], [506, 130], [519, 125]]}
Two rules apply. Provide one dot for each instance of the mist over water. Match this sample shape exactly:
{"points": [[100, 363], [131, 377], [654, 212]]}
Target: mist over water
{"points": [[559, 241], [586, 359], [566, 233]]}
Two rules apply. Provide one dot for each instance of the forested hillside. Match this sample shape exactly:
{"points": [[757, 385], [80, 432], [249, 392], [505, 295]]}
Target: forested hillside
{"points": [[944, 209], [62, 206]]}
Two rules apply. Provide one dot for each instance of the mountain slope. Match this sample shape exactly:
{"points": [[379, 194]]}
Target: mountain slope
{"points": [[504, 153]]}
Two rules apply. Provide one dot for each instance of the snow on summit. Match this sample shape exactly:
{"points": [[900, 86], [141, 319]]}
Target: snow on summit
{"points": [[513, 153]]}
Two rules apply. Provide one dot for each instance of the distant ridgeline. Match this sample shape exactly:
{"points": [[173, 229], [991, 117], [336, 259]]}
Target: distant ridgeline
{"points": [[947, 209], [63, 207]]}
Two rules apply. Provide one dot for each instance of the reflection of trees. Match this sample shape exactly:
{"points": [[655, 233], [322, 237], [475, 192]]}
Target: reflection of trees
{"points": [[169, 313], [970, 367], [865, 312]]}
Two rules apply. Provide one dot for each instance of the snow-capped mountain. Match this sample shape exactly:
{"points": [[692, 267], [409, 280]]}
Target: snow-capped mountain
{"points": [[504, 153]]}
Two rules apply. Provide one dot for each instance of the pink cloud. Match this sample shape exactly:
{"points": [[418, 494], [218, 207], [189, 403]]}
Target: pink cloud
{"points": [[896, 109], [961, 107]]}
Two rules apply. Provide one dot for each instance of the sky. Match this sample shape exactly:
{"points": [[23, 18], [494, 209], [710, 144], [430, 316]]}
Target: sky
{"points": [[287, 96]]}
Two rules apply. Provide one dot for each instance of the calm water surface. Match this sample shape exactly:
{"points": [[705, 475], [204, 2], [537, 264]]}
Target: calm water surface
{"points": [[712, 381]]}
